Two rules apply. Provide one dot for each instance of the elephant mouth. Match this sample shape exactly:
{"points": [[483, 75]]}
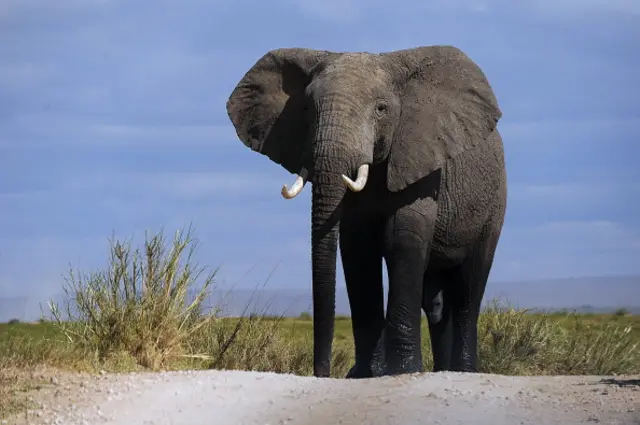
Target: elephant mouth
{"points": [[302, 178]]}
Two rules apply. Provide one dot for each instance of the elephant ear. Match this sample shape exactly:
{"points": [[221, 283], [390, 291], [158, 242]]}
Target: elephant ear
{"points": [[267, 106], [448, 107]]}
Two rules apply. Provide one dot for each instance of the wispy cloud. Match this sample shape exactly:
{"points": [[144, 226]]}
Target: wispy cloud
{"points": [[333, 10], [567, 249], [37, 265], [606, 234], [546, 131], [189, 185], [594, 197], [9, 8], [65, 130], [351, 10], [578, 7], [109, 125]]}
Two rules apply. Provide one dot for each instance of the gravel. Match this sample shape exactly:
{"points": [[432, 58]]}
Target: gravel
{"points": [[252, 398]]}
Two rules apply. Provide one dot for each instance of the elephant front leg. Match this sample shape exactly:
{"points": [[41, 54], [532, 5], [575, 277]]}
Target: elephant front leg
{"points": [[407, 243], [361, 253]]}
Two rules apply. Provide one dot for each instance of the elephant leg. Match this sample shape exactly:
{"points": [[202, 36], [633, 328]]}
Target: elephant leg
{"points": [[407, 242], [361, 253], [438, 313], [468, 282]]}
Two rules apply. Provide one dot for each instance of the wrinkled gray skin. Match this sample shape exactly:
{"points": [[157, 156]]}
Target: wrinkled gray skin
{"points": [[433, 204]]}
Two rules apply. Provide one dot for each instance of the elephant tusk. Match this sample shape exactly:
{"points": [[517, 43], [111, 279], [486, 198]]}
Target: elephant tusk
{"points": [[297, 186], [361, 180]]}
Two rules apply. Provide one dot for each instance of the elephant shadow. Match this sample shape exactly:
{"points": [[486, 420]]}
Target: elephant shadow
{"points": [[621, 382]]}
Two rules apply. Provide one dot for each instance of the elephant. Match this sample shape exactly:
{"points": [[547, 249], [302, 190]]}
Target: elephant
{"points": [[406, 166]]}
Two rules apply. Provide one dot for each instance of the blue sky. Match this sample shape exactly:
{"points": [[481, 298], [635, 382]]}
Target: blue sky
{"points": [[112, 119]]}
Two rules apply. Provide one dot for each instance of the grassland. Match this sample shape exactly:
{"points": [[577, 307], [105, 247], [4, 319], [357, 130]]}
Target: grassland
{"points": [[136, 315]]}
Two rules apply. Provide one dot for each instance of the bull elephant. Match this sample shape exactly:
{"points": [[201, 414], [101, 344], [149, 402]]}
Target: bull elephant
{"points": [[406, 165]]}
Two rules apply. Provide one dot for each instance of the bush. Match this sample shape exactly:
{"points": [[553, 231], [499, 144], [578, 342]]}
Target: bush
{"points": [[515, 342], [597, 350], [140, 304], [137, 313], [306, 316], [621, 312]]}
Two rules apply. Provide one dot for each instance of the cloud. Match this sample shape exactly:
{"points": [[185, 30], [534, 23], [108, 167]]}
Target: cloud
{"points": [[25, 75], [48, 261], [69, 130], [578, 7], [176, 185], [595, 197], [549, 132], [161, 133], [332, 10], [353, 10], [607, 234], [567, 249], [9, 8], [60, 4]]}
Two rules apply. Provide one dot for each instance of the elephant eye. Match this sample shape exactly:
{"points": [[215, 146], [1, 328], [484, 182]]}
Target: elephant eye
{"points": [[381, 108]]}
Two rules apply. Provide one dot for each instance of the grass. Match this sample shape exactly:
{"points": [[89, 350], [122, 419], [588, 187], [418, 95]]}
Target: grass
{"points": [[138, 314]]}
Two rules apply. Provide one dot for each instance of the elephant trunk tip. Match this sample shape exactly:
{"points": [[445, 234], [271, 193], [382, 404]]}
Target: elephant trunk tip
{"points": [[361, 179]]}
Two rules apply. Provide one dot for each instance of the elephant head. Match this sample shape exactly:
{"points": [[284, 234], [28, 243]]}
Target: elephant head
{"points": [[328, 116]]}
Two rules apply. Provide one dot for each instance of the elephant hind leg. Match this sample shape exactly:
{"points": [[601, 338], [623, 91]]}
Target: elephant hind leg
{"points": [[432, 304], [438, 312], [465, 292]]}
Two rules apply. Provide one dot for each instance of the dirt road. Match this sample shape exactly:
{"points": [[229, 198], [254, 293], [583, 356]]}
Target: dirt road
{"points": [[249, 398]]}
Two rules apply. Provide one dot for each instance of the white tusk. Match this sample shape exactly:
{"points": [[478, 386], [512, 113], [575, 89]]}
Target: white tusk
{"points": [[296, 188], [361, 180]]}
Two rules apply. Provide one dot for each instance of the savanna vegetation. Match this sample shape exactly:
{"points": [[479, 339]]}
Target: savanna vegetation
{"points": [[140, 313]]}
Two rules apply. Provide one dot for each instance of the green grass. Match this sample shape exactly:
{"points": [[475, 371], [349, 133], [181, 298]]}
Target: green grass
{"points": [[135, 315]]}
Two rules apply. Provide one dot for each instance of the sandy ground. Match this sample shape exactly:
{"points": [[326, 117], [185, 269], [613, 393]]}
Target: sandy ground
{"points": [[249, 398]]}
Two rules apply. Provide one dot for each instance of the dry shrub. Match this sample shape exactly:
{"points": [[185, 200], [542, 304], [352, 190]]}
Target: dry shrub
{"points": [[140, 304], [516, 342]]}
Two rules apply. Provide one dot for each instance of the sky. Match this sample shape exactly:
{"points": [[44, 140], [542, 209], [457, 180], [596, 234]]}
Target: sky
{"points": [[113, 122]]}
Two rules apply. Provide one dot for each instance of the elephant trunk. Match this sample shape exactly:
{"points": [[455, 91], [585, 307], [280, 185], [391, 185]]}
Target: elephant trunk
{"points": [[336, 154], [331, 159], [328, 191]]}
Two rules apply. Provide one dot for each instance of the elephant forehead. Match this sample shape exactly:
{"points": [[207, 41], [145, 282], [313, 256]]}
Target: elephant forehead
{"points": [[355, 69], [357, 59], [354, 61]]}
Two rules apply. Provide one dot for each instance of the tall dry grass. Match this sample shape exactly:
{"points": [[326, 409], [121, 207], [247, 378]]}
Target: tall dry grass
{"points": [[139, 305]]}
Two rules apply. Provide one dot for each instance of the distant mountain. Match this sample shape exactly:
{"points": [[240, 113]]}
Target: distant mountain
{"points": [[588, 294], [589, 309], [605, 292]]}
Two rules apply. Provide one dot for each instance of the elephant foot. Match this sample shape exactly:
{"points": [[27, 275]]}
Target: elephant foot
{"points": [[370, 367], [404, 370], [465, 362], [405, 365], [358, 372], [464, 369]]}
